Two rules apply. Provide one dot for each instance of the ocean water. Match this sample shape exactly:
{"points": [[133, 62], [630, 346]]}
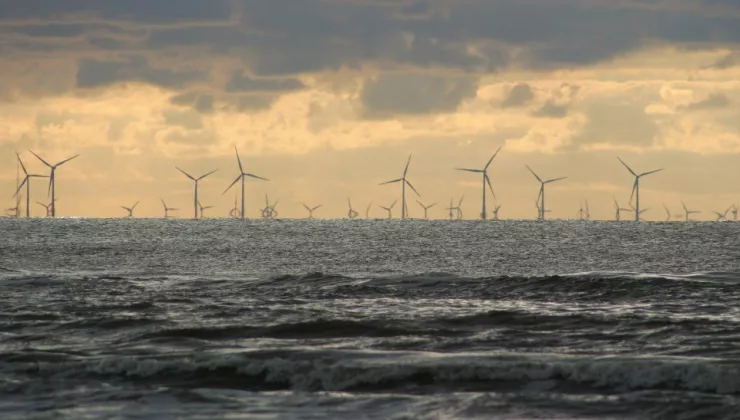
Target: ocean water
{"points": [[368, 319]]}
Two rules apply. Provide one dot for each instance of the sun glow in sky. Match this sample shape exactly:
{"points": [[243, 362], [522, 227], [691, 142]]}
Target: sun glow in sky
{"points": [[327, 98]]}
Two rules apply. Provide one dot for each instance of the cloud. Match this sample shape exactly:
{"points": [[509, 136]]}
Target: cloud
{"points": [[201, 102], [559, 103], [240, 83], [519, 95], [95, 73], [616, 123], [713, 101], [413, 94]]}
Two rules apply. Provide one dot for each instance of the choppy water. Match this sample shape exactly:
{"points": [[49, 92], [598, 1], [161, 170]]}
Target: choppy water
{"points": [[152, 319]]}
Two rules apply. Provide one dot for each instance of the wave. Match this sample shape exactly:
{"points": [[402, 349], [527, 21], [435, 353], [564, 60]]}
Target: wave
{"points": [[417, 372]]}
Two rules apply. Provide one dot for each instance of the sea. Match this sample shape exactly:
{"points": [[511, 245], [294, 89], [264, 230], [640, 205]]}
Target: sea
{"points": [[368, 319]]}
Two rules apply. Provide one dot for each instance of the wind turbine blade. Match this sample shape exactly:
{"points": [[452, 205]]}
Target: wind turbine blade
{"points": [[556, 179], [490, 187], [535, 175], [126, 208], [391, 182], [163, 203], [412, 187], [394, 203], [51, 182], [651, 172], [238, 159], [137, 203], [420, 203], [203, 176], [317, 207], [232, 184], [255, 176], [461, 200], [491, 159], [66, 160], [21, 162], [628, 168], [186, 174], [634, 187], [407, 166], [684, 206], [40, 158], [306, 207], [431, 205], [21, 186], [469, 170]]}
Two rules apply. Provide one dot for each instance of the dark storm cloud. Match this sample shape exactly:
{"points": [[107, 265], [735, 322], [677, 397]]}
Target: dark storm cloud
{"points": [[94, 73], [391, 94]]}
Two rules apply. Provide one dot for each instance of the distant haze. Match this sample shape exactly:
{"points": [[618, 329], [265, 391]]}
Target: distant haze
{"points": [[328, 98]]}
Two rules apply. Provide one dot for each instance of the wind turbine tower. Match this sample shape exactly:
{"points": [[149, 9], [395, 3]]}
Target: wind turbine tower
{"points": [[52, 179], [27, 182], [242, 176], [636, 187], [404, 182], [486, 180], [541, 196], [196, 180]]}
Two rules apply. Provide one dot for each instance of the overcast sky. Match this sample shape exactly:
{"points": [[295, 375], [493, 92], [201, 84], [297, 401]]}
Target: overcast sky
{"points": [[328, 98]]}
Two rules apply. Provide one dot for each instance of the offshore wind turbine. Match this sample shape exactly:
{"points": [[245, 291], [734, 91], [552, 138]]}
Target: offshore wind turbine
{"points": [[47, 207], [539, 209], [311, 209], [541, 196], [269, 212], [130, 210], [495, 211], [639, 214], [426, 208], [351, 213], [486, 180], [234, 212], [459, 208], [389, 209], [588, 212], [52, 179], [734, 212], [367, 211], [636, 187], [404, 182], [668, 215], [688, 212], [242, 176], [195, 180], [581, 213], [618, 210], [721, 216], [27, 182], [167, 210], [203, 209], [451, 209]]}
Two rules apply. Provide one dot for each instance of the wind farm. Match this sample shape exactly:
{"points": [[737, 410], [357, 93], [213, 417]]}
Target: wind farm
{"points": [[426, 212]]}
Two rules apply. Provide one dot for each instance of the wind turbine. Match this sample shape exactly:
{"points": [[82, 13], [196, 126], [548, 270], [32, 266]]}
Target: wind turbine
{"points": [[195, 180], [450, 210], [541, 196], [668, 215], [486, 180], [311, 210], [734, 212], [459, 208], [495, 211], [588, 212], [721, 216], [688, 212], [52, 179], [130, 210], [203, 208], [234, 212], [539, 209], [47, 207], [426, 208], [27, 182], [618, 210], [403, 182], [367, 211], [242, 175], [636, 187], [269, 212], [351, 213], [581, 213], [389, 209], [167, 210]]}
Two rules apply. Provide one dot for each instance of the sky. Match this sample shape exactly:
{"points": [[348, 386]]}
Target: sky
{"points": [[328, 98]]}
